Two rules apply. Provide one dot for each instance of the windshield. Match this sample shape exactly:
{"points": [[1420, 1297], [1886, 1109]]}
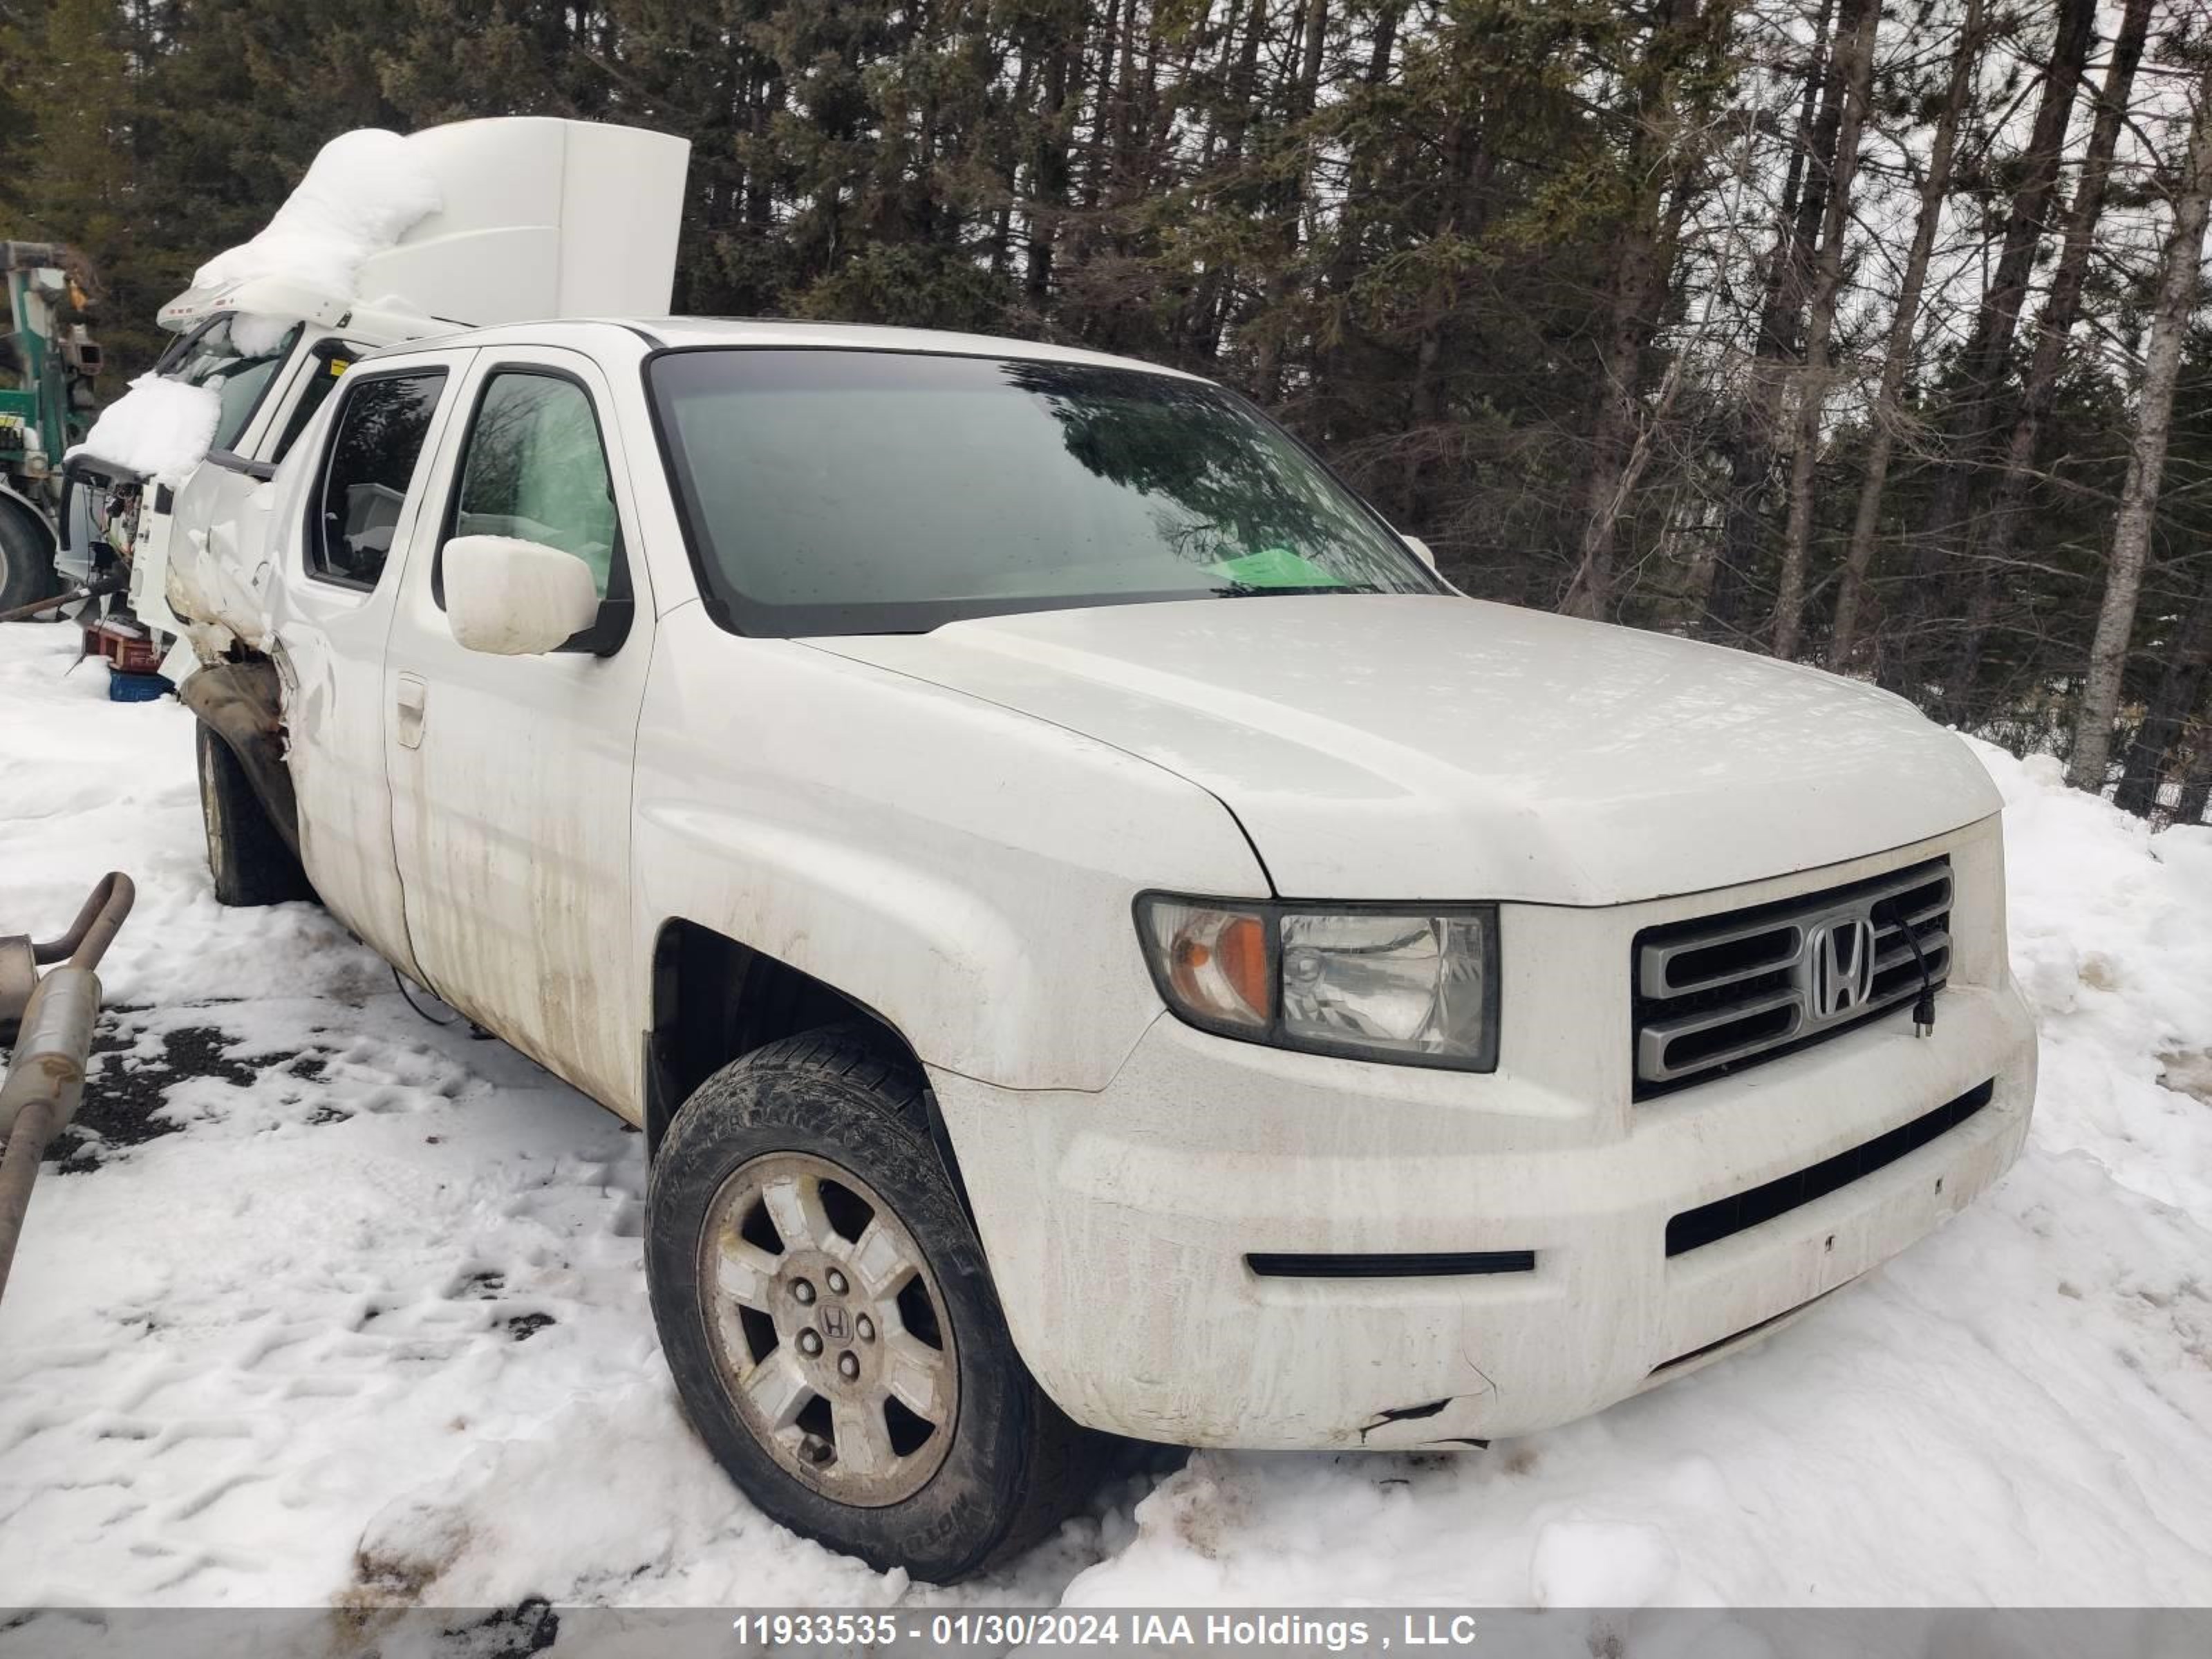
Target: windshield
{"points": [[860, 492], [209, 357]]}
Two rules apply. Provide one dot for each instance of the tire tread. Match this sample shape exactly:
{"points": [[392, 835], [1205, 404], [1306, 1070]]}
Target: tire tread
{"points": [[1057, 1463], [252, 866]]}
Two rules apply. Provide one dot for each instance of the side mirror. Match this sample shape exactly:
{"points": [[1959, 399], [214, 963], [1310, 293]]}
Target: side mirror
{"points": [[1421, 551], [516, 599]]}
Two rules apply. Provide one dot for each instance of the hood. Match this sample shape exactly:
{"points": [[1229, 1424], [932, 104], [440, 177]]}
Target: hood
{"points": [[1381, 747]]}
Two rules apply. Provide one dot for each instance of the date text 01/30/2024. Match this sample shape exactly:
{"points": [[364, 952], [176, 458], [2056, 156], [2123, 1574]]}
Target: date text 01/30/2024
{"points": [[1060, 1627]]}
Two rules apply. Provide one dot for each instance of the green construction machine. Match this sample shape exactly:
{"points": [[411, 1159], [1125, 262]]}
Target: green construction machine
{"points": [[46, 370]]}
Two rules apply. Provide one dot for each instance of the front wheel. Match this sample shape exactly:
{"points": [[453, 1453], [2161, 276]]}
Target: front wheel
{"points": [[827, 1312]]}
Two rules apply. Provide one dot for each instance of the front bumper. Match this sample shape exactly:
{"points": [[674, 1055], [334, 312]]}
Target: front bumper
{"points": [[1119, 1224]]}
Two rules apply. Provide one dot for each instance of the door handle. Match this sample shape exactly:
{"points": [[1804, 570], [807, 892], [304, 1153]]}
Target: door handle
{"points": [[413, 696]]}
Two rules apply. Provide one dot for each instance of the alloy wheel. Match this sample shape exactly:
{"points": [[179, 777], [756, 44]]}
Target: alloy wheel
{"points": [[828, 1330]]}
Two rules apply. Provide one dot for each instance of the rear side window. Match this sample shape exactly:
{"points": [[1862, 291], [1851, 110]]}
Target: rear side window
{"points": [[536, 469], [374, 450]]}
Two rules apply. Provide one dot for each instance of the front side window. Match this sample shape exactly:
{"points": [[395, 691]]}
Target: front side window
{"points": [[850, 492], [214, 357], [536, 469], [374, 447]]}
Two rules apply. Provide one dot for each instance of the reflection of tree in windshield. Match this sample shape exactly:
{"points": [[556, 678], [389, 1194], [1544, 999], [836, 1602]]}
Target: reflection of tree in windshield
{"points": [[879, 491], [1239, 489]]}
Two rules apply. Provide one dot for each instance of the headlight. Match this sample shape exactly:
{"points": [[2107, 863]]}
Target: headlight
{"points": [[1418, 984]]}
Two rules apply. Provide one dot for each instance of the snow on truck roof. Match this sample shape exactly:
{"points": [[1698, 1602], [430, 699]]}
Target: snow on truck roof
{"points": [[503, 231], [391, 238], [473, 223]]}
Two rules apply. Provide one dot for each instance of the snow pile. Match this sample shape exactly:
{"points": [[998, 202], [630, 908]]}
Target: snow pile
{"points": [[2111, 935], [160, 429], [363, 191], [368, 1324]]}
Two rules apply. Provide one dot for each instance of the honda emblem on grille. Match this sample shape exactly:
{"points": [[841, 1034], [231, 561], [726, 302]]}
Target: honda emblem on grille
{"points": [[1839, 960]]}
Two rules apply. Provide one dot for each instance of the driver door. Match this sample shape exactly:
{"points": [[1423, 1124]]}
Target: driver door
{"points": [[512, 775]]}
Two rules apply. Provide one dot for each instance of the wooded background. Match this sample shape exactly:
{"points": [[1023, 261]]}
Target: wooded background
{"points": [[1860, 332]]}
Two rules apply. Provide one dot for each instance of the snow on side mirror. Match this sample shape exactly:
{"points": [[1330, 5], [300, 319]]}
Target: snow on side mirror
{"points": [[1421, 550], [516, 599]]}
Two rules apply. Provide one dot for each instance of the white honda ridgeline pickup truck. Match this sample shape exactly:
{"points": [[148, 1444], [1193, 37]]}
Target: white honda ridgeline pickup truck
{"points": [[1097, 935]]}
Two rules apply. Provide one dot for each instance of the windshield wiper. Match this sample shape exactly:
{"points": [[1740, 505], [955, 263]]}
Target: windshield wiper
{"points": [[1259, 591]]}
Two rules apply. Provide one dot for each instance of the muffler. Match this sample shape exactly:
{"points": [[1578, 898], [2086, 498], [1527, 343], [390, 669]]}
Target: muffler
{"points": [[53, 1015]]}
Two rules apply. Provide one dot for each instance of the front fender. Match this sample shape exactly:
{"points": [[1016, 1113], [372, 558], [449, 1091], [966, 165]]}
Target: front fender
{"points": [[965, 871]]}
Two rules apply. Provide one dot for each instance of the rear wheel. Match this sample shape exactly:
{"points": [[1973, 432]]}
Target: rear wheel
{"points": [[248, 858], [825, 1308], [26, 560]]}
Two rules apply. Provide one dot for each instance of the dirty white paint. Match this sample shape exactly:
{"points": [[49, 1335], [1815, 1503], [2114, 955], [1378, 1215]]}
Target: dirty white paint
{"points": [[515, 598], [952, 829], [1383, 745], [270, 1359], [511, 785], [1203, 1149]]}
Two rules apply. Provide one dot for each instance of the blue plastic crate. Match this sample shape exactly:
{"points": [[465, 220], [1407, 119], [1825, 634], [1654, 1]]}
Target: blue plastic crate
{"points": [[137, 688]]}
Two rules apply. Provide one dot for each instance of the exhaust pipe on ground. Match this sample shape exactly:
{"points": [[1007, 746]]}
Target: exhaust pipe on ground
{"points": [[54, 1014]]}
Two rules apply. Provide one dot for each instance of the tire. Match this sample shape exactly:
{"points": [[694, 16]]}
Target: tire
{"points": [[249, 861], [26, 560], [999, 1466]]}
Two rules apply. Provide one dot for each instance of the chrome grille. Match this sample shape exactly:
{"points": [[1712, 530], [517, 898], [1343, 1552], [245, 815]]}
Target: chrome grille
{"points": [[1717, 994]]}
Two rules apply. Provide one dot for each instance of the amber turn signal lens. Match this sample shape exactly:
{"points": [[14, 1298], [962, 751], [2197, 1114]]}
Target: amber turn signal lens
{"points": [[1241, 950], [1218, 962]]}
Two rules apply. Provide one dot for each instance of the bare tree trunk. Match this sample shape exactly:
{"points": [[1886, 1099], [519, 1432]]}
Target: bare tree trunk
{"points": [[1751, 444], [1304, 94], [1988, 353], [1081, 226], [1124, 109], [2197, 784], [2177, 295], [2180, 688], [1646, 255], [1469, 166], [1855, 61], [1642, 271], [1935, 187], [1351, 213], [1009, 169], [1049, 171], [1242, 81], [2053, 326]]}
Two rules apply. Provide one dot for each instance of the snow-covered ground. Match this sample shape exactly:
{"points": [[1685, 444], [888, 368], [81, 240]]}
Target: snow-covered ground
{"points": [[367, 1321]]}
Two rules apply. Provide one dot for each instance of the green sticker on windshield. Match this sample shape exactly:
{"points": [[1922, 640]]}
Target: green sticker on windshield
{"points": [[1275, 566]]}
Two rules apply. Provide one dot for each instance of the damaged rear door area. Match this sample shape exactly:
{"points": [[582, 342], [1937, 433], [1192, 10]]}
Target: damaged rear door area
{"points": [[348, 524]]}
